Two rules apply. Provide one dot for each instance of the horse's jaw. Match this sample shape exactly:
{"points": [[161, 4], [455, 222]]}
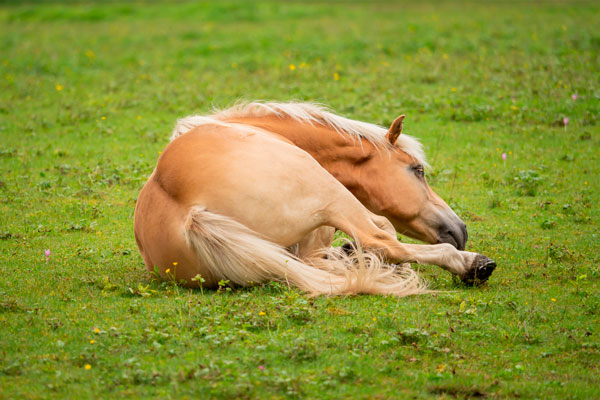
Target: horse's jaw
{"points": [[435, 226]]}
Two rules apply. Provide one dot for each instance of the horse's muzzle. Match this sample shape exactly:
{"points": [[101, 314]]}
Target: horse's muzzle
{"points": [[454, 234]]}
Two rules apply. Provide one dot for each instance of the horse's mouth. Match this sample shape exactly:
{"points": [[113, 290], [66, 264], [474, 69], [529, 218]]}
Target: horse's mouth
{"points": [[455, 237], [451, 240]]}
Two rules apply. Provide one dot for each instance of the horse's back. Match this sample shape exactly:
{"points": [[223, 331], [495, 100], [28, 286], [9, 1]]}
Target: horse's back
{"points": [[211, 158]]}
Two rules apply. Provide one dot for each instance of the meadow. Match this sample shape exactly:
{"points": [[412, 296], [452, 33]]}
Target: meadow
{"points": [[89, 94]]}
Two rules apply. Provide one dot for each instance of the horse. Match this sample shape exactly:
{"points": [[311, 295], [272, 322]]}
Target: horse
{"points": [[255, 192]]}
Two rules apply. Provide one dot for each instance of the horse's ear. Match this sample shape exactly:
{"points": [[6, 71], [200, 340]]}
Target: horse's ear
{"points": [[395, 130]]}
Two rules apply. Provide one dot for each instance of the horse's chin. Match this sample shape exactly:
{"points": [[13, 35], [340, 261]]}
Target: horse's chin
{"points": [[450, 240], [448, 228], [455, 241]]}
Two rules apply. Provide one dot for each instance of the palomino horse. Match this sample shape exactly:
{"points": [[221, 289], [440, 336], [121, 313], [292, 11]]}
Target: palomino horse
{"points": [[255, 193]]}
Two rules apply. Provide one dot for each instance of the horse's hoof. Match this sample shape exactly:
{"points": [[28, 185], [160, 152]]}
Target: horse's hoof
{"points": [[349, 248], [480, 271]]}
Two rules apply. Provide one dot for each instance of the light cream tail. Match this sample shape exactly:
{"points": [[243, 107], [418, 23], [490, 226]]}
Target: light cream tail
{"points": [[233, 252]]}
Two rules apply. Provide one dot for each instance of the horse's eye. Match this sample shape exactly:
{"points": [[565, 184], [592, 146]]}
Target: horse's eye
{"points": [[419, 171]]}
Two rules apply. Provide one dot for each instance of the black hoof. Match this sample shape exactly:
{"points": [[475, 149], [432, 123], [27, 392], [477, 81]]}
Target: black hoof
{"points": [[349, 248], [480, 271]]}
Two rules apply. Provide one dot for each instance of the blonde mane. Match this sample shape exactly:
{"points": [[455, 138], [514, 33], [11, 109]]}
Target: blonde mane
{"points": [[310, 113]]}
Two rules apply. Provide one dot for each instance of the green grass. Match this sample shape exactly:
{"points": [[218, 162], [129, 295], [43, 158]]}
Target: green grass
{"points": [[475, 81]]}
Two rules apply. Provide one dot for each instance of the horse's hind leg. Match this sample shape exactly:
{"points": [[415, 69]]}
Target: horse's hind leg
{"points": [[316, 240], [376, 233]]}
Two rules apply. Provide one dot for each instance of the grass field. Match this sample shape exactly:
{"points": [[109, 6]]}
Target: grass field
{"points": [[89, 94]]}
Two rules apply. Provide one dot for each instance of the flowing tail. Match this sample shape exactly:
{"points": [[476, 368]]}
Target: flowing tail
{"points": [[234, 252]]}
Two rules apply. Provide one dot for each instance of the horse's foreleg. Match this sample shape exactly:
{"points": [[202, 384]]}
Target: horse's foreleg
{"points": [[470, 267], [376, 233]]}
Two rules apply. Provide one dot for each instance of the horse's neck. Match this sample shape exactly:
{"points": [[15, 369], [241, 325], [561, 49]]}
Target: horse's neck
{"points": [[331, 149]]}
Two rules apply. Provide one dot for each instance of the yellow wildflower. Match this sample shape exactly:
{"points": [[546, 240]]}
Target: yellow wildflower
{"points": [[87, 367], [168, 270], [336, 76], [96, 330], [59, 87], [262, 313], [292, 67], [174, 263]]}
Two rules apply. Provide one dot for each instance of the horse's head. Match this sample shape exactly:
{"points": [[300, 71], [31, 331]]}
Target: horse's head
{"points": [[394, 186]]}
